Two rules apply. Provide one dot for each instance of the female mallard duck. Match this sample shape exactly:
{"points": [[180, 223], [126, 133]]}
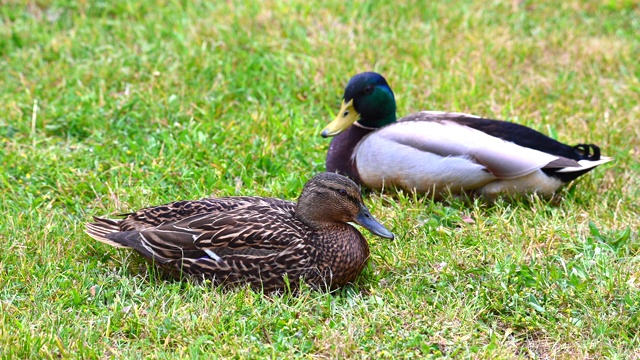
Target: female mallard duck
{"points": [[443, 152], [255, 240]]}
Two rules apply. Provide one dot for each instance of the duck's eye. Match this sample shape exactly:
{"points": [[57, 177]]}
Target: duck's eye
{"points": [[368, 89], [342, 191]]}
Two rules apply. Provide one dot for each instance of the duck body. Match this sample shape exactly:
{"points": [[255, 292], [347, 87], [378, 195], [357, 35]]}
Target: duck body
{"points": [[438, 152], [264, 242]]}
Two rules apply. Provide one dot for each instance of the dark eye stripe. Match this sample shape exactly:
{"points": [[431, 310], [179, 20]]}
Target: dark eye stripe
{"points": [[346, 194], [354, 199]]}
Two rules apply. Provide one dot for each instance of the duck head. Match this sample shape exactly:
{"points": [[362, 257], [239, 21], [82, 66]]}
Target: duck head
{"points": [[329, 198], [367, 99]]}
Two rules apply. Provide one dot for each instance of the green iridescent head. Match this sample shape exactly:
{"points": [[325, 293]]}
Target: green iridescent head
{"points": [[367, 99]]}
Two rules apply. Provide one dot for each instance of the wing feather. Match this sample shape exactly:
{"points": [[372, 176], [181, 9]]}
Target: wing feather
{"points": [[446, 138], [259, 225]]}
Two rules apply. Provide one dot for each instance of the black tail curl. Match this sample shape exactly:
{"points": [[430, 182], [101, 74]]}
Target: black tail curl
{"points": [[587, 151]]}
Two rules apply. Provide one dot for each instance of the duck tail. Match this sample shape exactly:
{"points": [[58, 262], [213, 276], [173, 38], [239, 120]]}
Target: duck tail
{"points": [[585, 165], [101, 228]]}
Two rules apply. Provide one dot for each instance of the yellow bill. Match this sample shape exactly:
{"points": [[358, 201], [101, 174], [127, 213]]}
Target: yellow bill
{"points": [[347, 116]]}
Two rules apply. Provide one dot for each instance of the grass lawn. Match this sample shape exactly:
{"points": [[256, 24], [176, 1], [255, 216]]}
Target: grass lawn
{"points": [[107, 107]]}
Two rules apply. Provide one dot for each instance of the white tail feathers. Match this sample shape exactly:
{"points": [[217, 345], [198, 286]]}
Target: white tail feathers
{"points": [[585, 164]]}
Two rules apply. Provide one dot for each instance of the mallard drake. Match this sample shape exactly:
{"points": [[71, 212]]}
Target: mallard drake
{"points": [[255, 240], [441, 152]]}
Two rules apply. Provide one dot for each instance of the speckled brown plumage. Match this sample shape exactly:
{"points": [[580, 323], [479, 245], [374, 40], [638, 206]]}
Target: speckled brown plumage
{"points": [[254, 240]]}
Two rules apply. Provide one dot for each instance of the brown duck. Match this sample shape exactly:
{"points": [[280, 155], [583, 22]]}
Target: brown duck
{"points": [[264, 242]]}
